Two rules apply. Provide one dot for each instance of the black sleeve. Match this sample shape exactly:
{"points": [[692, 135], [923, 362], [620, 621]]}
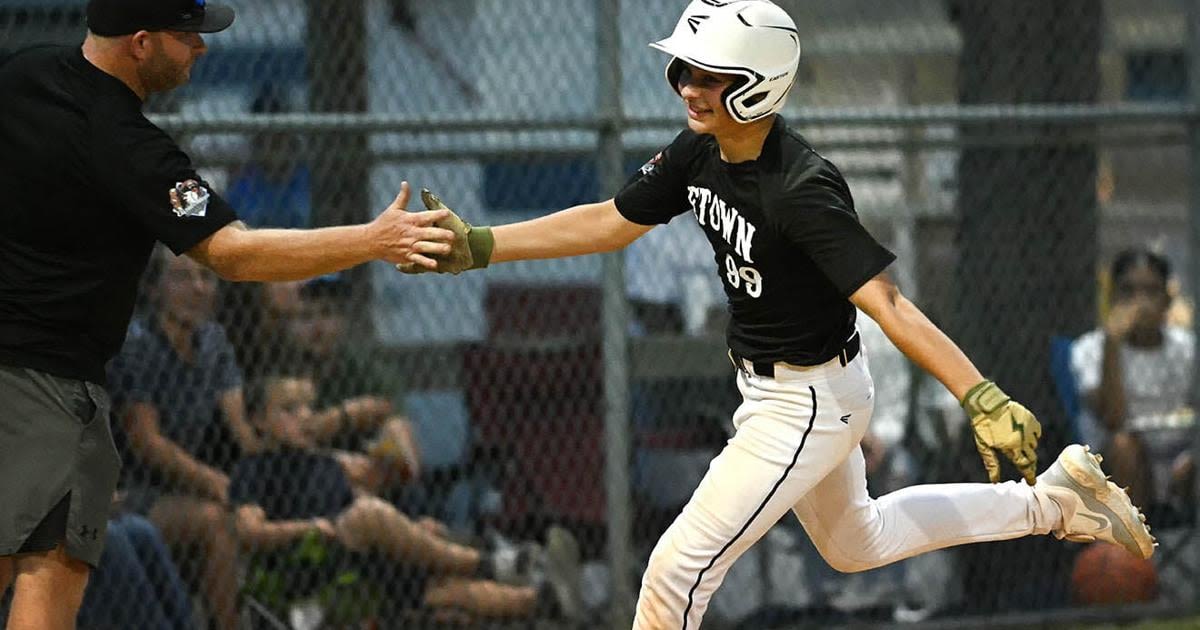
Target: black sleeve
{"points": [[818, 216], [153, 180], [657, 192]]}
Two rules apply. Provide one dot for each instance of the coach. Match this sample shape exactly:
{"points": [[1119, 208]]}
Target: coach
{"points": [[87, 185]]}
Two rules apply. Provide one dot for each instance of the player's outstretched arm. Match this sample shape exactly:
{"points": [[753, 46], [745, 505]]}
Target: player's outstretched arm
{"points": [[999, 422], [396, 235], [584, 229]]}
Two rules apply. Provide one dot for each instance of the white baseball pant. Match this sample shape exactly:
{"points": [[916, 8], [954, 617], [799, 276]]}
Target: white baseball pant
{"points": [[796, 447]]}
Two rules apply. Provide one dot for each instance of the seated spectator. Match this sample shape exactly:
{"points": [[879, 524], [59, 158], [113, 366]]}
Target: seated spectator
{"points": [[307, 324], [355, 390], [1134, 378], [136, 584], [178, 395], [291, 489]]}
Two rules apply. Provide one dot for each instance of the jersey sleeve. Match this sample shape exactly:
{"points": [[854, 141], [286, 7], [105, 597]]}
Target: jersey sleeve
{"points": [[657, 192], [152, 179], [819, 217]]}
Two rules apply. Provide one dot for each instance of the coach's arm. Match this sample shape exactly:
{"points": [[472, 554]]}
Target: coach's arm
{"points": [[238, 253]]}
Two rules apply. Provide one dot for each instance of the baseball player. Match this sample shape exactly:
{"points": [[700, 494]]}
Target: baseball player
{"points": [[795, 262], [89, 186]]}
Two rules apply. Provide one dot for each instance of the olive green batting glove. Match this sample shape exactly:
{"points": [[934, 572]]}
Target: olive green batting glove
{"points": [[1002, 424], [472, 248]]}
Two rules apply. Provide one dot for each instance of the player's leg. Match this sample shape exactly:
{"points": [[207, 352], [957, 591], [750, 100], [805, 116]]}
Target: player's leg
{"points": [[791, 432], [48, 590], [854, 532], [1072, 499]]}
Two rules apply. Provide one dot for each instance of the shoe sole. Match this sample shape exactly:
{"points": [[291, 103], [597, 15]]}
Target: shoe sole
{"points": [[562, 555], [1081, 469]]}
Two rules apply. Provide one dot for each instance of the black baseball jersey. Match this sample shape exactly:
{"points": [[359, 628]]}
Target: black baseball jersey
{"points": [[787, 242], [87, 185]]}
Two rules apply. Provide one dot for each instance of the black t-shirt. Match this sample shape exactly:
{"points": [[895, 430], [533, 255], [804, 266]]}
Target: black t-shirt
{"points": [[89, 184], [291, 484], [788, 245]]}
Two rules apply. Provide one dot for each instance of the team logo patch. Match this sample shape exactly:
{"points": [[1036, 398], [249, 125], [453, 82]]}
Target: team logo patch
{"points": [[189, 199], [649, 167]]}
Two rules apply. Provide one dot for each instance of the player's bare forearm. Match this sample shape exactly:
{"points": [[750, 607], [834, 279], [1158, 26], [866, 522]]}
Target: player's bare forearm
{"points": [[585, 229], [917, 337]]}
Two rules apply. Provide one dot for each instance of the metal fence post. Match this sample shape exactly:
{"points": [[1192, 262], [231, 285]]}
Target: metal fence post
{"points": [[615, 321]]}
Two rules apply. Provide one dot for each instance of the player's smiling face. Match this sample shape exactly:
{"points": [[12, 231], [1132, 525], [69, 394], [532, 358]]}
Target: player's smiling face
{"points": [[701, 92]]}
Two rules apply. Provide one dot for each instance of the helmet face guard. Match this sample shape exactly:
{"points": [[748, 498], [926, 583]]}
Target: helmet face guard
{"points": [[752, 39]]}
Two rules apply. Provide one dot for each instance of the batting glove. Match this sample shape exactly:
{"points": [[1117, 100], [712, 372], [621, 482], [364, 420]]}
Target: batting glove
{"points": [[1002, 424], [472, 248]]}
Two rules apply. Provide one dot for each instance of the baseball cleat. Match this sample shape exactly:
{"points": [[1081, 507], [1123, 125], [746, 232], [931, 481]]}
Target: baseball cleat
{"points": [[1093, 507]]}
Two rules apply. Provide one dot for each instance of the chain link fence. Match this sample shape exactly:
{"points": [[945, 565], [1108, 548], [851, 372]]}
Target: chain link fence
{"points": [[461, 446]]}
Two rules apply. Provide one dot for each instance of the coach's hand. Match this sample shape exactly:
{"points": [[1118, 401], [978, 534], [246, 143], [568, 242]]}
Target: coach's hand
{"points": [[415, 238], [472, 248], [1004, 425]]}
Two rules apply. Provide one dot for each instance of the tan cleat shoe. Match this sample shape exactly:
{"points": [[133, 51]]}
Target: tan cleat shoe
{"points": [[1093, 507]]}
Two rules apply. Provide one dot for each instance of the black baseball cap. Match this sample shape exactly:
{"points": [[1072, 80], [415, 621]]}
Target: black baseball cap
{"points": [[110, 18]]}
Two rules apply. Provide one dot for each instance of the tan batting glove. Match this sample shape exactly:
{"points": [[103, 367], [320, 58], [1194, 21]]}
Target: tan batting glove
{"points": [[472, 246], [1002, 424]]}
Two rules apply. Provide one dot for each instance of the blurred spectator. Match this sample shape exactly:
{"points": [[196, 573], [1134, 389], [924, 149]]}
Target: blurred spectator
{"points": [[291, 490], [179, 397], [355, 390], [306, 324], [257, 317], [136, 584], [1134, 380], [273, 188]]}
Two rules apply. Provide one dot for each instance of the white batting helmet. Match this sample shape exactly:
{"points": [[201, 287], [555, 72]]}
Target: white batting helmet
{"points": [[754, 39]]}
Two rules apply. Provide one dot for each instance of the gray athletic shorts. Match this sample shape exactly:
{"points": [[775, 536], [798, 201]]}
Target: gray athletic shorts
{"points": [[56, 451]]}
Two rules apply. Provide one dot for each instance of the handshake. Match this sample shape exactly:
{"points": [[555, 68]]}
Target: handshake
{"points": [[472, 248]]}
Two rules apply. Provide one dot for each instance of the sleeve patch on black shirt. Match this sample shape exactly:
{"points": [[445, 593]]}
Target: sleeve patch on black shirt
{"points": [[649, 167], [189, 198]]}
